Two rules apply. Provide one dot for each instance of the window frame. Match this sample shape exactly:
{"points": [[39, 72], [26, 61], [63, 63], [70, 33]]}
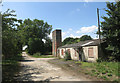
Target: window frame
{"points": [[91, 53]]}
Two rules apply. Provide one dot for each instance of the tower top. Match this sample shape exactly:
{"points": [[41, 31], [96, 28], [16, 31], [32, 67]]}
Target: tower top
{"points": [[56, 30]]}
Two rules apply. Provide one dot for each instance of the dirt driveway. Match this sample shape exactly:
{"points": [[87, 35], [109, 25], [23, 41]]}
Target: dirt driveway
{"points": [[38, 69]]}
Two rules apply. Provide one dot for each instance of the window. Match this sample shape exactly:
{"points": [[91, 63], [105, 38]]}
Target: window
{"points": [[90, 52]]}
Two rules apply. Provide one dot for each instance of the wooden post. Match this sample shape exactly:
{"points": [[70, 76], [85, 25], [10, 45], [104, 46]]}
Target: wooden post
{"points": [[99, 26]]}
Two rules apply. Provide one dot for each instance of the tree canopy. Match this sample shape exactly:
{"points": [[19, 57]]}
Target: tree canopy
{"points": [[85, 37], [32, 33], [71, 40], [11, 42], [111, 29]]}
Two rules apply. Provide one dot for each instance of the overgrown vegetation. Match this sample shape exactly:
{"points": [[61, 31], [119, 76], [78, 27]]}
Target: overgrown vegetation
{"points": [[105, 70], [11, 40], [111, 31], [67, 56], [10, 67]]}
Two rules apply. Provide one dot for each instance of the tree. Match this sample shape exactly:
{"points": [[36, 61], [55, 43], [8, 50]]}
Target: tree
{"points": [[85, 37], [71, 40], [35, 45], [111, 29], [68, 40], [32, 33], [11, 44], [48, 46]]}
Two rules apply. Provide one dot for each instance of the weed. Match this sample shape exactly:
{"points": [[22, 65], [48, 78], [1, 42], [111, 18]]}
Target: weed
{"points": [[104, 72], [109, 74], [67, 56], [86, 73], [93, 70], [97, 73]]}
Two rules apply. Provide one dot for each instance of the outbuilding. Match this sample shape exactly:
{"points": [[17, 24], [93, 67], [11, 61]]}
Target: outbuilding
{"points": [[84, 51]]}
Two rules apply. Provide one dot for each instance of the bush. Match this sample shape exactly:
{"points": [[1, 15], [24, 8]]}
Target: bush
{"points": [[37, 54], [104, 72], [109, 74], [97, 73], [67, 56], [99, 60]]}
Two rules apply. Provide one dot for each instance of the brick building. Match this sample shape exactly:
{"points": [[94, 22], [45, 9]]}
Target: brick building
{"points": [[56, 41]]}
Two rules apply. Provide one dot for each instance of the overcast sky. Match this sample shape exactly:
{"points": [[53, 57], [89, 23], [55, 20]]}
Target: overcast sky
{"points": [[73, 18]]}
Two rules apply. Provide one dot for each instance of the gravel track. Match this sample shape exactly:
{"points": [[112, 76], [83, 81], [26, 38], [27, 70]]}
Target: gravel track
{"points": [[38, 69]]}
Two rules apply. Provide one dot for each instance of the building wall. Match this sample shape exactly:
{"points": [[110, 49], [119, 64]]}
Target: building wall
{"points": [[60, 52], [74, 54], [86, 53]]}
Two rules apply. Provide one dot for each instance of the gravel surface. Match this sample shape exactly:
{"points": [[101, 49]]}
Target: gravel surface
{"points": [[38, 69]]}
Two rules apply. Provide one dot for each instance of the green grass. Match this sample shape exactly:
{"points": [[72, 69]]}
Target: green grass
{"points": [[104, 70], [42, 56], [38, 55]]}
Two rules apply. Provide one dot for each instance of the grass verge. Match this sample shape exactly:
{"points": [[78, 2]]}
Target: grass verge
{"points": [[10, 67], [38, 55], [102, 71], [42, 56], [105, 70]]}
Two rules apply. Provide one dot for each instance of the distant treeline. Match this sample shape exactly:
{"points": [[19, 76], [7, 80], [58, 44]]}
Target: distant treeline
{"points": [[71, 40]]}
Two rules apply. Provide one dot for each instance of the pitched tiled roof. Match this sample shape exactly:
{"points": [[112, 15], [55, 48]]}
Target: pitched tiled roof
{"points": [[94, 42]]}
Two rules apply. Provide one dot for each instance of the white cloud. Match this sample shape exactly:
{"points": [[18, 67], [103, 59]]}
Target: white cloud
{"points": [[78, 33], [76, 36], [71, 35], [87, 29], [64, 33], [89, 0]]}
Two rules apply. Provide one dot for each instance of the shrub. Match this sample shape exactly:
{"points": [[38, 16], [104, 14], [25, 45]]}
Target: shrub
{"points": [[109, 74], [110, 71], [111, 58], [67, 56], [37, 54], [104, 72], [99, 60], [97, 73], [104, 77]]}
